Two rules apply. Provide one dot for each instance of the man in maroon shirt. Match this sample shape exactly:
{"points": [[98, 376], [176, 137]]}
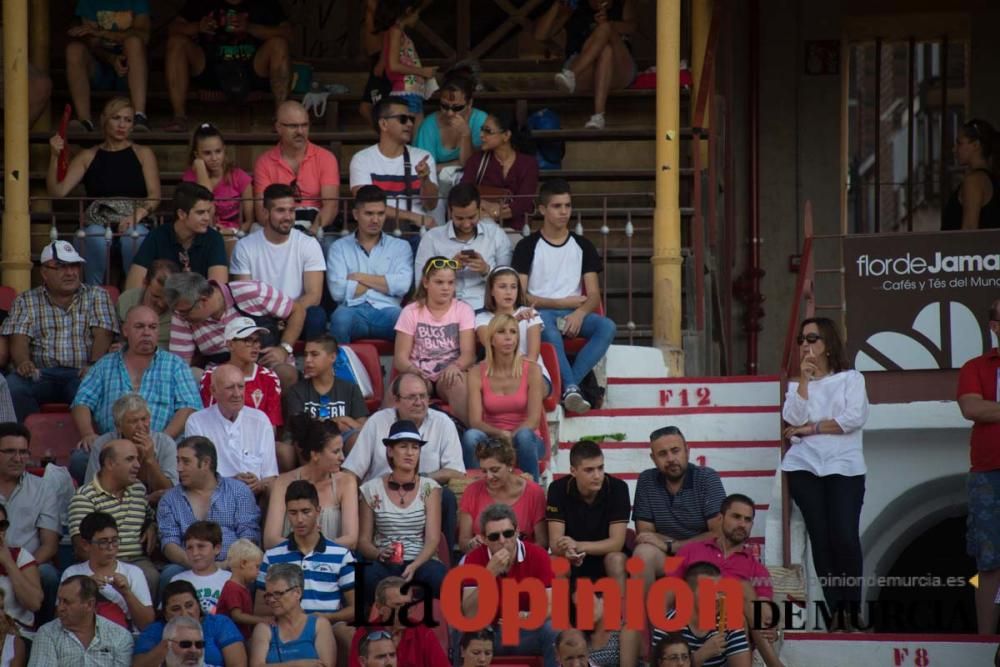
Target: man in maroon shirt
{"points": [[505, 556], [977, 398], [416, 645]]}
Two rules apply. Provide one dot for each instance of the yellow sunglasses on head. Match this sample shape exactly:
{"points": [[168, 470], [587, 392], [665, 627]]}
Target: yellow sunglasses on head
{"points": [[441, 263]]}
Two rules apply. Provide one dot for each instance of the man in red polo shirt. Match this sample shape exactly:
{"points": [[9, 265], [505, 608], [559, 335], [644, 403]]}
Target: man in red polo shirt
{"points": [[416, 645], [505, 556], [730, 552], [296, 161], [977, 398]]}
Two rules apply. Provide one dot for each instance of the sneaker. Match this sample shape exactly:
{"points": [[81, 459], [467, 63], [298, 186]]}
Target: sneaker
{"points": [[80, 126], [141, 123], [574, 401], [566, 81], [596, 122]]}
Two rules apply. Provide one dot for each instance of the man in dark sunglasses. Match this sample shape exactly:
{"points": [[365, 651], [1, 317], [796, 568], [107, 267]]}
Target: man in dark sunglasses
{"points": [[185, 642], [504, 555]]}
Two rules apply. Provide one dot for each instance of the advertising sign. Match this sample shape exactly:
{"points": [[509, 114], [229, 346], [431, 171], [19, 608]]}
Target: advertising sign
{"points": [[920, 301]]}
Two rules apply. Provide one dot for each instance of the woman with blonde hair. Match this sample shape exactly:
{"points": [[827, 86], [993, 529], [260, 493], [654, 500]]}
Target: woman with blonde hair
{"points": [[505, 397], [123, 180]]}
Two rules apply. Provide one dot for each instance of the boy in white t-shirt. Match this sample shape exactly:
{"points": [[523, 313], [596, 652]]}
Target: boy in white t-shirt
{"points": [[202, 545], [558, 271], [121, 584]]}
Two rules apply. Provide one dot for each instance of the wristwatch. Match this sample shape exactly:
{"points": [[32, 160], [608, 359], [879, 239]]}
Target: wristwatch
{"points": [[287, 348]]}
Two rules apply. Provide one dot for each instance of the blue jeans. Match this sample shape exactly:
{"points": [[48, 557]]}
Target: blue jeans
{"points": [[49, 575], [528, 446], [95, 249], [364, 321], [78, 460], [315, 324], [56, 385], [431, 573], [166, 574], [541, 642], [599, 332], [449, 519]]}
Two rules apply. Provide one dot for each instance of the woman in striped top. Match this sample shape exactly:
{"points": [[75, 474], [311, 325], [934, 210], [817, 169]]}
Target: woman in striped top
{"points": [[404, 509]]}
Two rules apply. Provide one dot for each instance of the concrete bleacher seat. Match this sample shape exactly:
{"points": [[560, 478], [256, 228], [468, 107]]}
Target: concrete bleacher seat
{"points": [[53, 434]]}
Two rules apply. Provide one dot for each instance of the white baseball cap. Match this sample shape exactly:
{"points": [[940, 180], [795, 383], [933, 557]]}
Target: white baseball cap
{"points": [[242, 327], [61, 251]]}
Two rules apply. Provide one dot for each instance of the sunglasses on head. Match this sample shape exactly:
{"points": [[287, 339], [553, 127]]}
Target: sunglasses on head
{"points": [[188, 643], [378, 635], [455, 108], [810, 338], [403, 118], [507, 534], [405, 486], [441, 263]]}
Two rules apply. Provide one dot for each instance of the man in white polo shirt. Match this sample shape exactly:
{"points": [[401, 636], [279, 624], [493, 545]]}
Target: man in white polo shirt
{"points": [[477, 245], [440, 457], [243, 436]]}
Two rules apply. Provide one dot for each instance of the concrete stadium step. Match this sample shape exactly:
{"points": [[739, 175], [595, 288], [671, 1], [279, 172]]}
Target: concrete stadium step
{"points": [[650, 392], [720, 424], [821, 649]]}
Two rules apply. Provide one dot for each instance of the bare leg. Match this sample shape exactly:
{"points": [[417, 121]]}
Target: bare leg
{"points": [[184, 58], [602, 79], [288, 375], [457, 397], [138, 72], [592, 48], [274, 63], [653, 559], [39, 92], [986, 608], [287, 457], [614, 565], [79, 62]]}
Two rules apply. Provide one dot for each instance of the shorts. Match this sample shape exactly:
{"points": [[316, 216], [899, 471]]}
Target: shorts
{"points": [[413, 101], [982, 536], [208, 79], [376, 87], [104, 77]]}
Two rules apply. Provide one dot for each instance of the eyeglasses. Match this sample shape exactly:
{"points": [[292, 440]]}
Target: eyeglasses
{"points": [[810, 338], [441, 263], [405, 486], [13, 453], [507, 534], [277, 594], [106, 543], [414, 398], [188, 643], [454, 108], [403, 118]]}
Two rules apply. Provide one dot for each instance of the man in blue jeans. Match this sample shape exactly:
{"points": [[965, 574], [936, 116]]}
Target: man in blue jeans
{"points": [[558, 271], [368, 273]]}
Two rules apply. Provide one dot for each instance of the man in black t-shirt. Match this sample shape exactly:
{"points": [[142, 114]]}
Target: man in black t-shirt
{"points": [[232, 45], [322, 395], [558, 271]]}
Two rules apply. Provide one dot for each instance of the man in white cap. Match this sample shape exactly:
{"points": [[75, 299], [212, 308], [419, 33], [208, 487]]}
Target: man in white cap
{"points": [[57, 332], [243, 436]]}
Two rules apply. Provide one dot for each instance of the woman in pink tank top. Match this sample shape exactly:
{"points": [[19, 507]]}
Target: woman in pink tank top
{"points": [[505, 398]]}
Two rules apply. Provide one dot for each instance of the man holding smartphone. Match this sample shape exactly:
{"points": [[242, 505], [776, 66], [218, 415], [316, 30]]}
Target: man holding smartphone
{"points": [[477, 245]]}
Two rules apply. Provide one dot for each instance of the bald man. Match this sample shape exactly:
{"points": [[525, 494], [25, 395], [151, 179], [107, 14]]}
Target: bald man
{"points": [[243, 436], [571, 649], [296, 160], [117, 491], [161, 378]]}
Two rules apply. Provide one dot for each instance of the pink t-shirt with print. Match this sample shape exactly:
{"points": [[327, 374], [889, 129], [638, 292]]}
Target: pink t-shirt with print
{"points": [[435, 341]]}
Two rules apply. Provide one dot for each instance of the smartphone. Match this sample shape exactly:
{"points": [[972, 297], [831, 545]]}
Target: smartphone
{"points": [[471, 254]]}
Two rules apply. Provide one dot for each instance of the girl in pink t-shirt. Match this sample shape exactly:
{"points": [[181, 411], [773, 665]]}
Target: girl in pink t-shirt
{"points": [[435, 336], [232, 187]]}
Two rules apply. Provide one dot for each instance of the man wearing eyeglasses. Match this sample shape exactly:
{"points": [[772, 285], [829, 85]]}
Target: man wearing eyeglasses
{"points": [[57, 331], [296, 161], [185, 643], [504, 555], [416, 645], [407, 174]]}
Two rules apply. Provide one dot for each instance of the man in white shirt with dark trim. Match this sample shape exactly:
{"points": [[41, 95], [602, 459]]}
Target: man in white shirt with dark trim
{"points": [[243, 436], [477, 245], [284, 257]]}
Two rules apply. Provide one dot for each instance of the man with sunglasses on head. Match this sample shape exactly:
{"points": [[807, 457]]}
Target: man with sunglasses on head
{"points": [[377, 649], [477, 245], [407, 174], [505, 555], [312, 171], [416, 645], [57, 331]]}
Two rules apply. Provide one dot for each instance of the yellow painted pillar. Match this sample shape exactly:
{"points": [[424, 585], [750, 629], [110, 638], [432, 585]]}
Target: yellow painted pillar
{"points": [[16, 257], [701, 23], [667, 218]]}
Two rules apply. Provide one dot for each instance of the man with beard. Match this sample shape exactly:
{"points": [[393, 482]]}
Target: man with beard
{"points": [[185, 643], [284, 257]]}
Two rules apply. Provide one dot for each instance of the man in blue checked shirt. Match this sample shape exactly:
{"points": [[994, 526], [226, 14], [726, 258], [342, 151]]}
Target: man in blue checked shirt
{"points": [[162, 378], [327, 567], [368, 273]]}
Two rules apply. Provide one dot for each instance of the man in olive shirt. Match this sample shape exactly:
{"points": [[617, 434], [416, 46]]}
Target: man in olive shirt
{"points": [[151, 294]]}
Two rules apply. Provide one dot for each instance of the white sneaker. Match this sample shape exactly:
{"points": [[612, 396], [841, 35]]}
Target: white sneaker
{"points": [[566, 81], [574, 401], [596, 122]]}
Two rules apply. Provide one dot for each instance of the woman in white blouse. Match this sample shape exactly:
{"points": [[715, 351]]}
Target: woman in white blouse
{"points": [[825, 409]]}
